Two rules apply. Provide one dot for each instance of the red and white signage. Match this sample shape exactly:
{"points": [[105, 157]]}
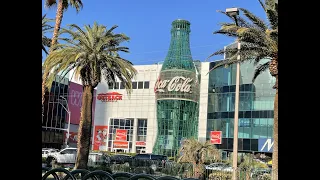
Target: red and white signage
{"points": [[140, 143], [109, 97], [121, 144], [216, 137], [121, 135]]}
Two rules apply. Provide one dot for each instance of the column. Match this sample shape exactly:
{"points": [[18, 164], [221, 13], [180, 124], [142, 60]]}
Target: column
{"points": [[134, 135]]}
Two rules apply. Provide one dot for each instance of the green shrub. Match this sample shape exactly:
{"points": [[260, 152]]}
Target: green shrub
{"points": [[220, 175], [44, 160], [144, 170]]}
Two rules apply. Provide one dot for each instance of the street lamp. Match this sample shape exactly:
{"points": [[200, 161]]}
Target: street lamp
{"points": [[234, 12]]}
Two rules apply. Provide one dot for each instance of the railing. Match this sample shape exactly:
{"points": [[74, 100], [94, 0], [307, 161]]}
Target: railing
{"points": [[99, 174], [83, 174]]}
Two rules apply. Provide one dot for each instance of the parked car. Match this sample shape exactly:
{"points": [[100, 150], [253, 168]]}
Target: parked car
{"points": [[121, 159], [68, 156], [258, 172], [219, 167], [46, 151], [150, 160]]}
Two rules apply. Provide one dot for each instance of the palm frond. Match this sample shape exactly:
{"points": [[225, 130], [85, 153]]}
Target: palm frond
{"points": [[255, 20], [261, 68], [241, 22], [91, 53], [262, 5], [49, 3], [273, 18]]}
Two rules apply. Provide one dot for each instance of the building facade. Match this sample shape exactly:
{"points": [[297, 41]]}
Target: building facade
{"points": [[255, 107], [54, 116], [126, 122]]}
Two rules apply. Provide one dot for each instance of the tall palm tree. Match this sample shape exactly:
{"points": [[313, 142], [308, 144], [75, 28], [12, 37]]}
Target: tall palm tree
{"points": [[62, 6], [46, 42], [258, 41], [93, 54], [197, 153]]}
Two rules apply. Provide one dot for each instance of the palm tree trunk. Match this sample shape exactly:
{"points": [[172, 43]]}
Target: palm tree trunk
{"points": [[275, 137], [84, 132], [59, 16]]}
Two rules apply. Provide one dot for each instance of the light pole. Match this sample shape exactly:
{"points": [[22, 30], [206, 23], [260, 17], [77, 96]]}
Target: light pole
{"points": [[69, 115], [233, 12]]}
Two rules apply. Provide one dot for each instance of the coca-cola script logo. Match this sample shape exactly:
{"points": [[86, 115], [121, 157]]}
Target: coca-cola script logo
{"points": [[177, 83], [121, 134], [215, 136], [109, 97]]}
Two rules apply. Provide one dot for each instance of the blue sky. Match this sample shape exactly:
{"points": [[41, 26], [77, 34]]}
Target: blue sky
{"points": [[148, 23]]}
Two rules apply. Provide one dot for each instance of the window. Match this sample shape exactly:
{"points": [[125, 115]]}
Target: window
{"points": [[146, 85], [123, 123], [142, 130], [122, 85], [116, 86], [110, 85], [134, 85], [140, 85]]}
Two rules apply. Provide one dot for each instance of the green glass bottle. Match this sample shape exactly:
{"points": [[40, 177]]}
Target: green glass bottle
{"points": [[177, 93]]}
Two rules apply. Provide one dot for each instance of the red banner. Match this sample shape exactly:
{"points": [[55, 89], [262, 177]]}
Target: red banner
{"points": [[121, 135], [100, 138], [140, 143], [215, 137], [73, 137], [121, 144]]}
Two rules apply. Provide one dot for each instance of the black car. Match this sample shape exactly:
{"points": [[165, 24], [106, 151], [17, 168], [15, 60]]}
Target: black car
{"points": [[121, 159], [149, 160]]}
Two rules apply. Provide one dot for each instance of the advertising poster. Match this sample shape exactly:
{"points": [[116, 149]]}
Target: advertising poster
{"points": [[215, 137], [75, 102], [121, 135], [100, 138]]}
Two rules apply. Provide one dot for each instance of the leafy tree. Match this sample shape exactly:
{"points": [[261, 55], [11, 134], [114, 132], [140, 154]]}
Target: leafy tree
{"points": [[197, 153], [93, 54]]}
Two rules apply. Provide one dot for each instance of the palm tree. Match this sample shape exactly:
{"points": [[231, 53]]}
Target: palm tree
{"points": [[62, 6], [197, 153], [258, 41], [248, 164], [93, 54], [46, 42]]}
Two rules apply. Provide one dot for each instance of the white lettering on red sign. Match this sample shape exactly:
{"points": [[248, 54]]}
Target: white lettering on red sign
{"points": [[178, 83]]}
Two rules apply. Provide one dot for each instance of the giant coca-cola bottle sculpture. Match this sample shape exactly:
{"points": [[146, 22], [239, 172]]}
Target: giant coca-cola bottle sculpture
{"points": [[177, 93]]}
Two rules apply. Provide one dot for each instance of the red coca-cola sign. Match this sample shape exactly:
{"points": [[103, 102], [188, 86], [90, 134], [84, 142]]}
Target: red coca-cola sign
{"points": [[140, 143], [109, 97], [216, 137]]}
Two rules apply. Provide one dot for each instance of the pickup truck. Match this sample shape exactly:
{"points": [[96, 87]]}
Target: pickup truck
{"points": [[68, 156]]}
